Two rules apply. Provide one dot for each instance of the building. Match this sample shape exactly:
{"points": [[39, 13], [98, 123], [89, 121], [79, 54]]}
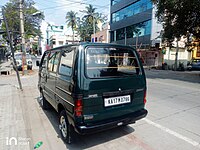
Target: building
{"points": [[55, 35], [103, 36], [133, 23], [59, 40], [183, 54], [196, 49]]}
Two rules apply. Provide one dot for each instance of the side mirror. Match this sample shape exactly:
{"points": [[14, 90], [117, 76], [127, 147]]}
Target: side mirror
{"points": [[37, 63]]}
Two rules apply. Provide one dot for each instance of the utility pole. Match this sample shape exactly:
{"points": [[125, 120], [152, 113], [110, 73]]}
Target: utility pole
{"points": [[24, 64], [12, 50], [94, 30], [176, 55]]}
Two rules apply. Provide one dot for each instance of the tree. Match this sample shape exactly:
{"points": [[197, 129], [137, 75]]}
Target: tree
{"points": [[83, 29], [92, 18], [32, 23], [71, 20], [179, 17]]}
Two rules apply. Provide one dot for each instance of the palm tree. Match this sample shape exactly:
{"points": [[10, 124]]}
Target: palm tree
{"points": [[71, 20], [83, 30], [91, 17]]}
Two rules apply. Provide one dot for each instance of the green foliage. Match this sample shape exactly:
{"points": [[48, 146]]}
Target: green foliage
{"points": [[92, 16], [85, 24], [179, 17], [83, 30], [31, 23], [71, 19]]}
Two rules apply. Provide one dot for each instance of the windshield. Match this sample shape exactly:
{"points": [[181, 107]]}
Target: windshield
{"points": [[110, 62], [19, 56]]}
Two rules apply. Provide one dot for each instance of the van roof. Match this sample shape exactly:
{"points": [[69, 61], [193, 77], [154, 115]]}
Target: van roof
{"points": [[93, 44]]}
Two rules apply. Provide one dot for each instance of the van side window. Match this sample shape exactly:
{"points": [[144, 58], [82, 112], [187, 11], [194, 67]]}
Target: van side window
{"points": [[56, 61], [53, 61], [44, 61], [66, 63]]}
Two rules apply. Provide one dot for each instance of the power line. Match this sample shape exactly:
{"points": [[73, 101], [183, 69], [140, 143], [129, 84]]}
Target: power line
{"points": [[79, 12], [75, 2]]}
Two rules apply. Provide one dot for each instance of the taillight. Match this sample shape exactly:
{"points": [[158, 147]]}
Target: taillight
{"points": [[145, 96], [78, 108]]}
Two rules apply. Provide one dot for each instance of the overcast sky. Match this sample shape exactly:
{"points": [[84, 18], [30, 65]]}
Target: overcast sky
{"points": [[55, 10]]}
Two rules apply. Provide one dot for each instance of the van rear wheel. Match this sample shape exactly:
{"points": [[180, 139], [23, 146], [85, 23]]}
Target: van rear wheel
{"points": [[64, 127]]}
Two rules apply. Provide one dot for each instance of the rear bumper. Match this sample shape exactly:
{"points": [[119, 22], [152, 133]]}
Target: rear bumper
{"points": [[127, 119]]}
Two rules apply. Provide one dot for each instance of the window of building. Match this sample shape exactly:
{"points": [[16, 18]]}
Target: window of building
{"points": [[135, 8], [101, 38], [113, 2], [120, 34], [66, 62], [60, 42], [135, 30], [54, 42]]}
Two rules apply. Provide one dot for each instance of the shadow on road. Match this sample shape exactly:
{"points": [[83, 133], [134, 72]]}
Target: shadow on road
{"points": [[187, 76], [87, 141]]}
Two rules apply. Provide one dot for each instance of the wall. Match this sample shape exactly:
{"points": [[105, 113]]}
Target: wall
{"points": [[183, 56], [102, 36]]}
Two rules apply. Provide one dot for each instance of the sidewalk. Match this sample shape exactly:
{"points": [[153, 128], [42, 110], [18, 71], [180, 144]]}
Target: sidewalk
{"points": [[22, 117], [6, 68], [189, 76], [12, 124]]}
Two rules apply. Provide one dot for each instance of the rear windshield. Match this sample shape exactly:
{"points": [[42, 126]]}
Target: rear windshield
{"points": [[110, 62]]}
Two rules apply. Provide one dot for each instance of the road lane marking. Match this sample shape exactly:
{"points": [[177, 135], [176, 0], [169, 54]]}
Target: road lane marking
{"points": [[186, 139]]}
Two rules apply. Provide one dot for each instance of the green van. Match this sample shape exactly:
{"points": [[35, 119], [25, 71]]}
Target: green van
{"points": [[93, 86]]}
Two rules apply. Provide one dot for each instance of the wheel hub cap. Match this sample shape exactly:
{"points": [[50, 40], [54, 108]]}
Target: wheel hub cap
{"points": [[63, 126]]}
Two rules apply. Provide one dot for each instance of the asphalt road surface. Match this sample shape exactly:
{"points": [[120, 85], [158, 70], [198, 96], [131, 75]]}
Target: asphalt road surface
{"points": [[173, 122]]}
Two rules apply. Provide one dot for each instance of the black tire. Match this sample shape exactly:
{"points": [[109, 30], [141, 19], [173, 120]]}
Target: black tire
{"points": [[43, 101], [64, 127]]}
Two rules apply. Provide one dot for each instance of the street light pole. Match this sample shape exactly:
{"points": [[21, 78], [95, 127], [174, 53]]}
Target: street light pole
{"points": [[24, 64]]}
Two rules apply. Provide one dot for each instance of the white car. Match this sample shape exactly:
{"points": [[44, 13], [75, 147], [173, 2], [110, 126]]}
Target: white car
{"points": [[18, 58]]}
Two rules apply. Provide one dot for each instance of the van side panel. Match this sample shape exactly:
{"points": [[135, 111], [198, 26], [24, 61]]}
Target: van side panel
{"points": [[64, 93], [49, 89]]}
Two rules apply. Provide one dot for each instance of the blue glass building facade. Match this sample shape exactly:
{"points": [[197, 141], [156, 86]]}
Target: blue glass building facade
{"points": [[131, 20]]}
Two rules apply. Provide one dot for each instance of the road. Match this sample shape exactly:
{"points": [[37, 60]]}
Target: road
{"points": [[173, 122]]}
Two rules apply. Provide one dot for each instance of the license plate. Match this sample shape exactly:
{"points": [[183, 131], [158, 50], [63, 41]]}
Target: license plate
{"points": [[117, 100]]}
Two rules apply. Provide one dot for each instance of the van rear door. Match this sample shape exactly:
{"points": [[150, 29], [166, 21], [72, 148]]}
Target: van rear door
{"points": [[114, 83]]}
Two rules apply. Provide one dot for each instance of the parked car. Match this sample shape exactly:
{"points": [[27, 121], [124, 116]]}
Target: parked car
{"points": [[194, 65], [92, 86], [18, 58]]}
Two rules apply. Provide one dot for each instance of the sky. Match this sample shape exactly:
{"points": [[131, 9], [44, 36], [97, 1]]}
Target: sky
{"points": [[55, 10]]}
